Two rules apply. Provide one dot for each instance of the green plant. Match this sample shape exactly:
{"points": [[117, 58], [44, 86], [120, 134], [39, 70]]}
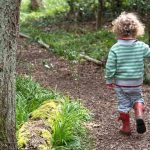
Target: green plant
{"points": [[29, 96], [70, 44], [68, 128], [51, 8]]}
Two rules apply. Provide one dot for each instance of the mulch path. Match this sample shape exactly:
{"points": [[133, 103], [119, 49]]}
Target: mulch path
{"points": [[86, 82]]}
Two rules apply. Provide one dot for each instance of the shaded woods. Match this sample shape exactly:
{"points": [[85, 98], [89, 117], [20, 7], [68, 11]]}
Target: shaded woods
{"points": [[60, 86]]}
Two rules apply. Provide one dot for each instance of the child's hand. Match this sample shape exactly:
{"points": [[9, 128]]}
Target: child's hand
{"points": [[110, 86]]}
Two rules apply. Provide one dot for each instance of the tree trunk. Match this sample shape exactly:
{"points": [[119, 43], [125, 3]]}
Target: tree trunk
{"points": [[99, 17], [36, 4], [71, 13], [149, 35], [71, 6], [148, 21], [116, 7], [9, 15]]}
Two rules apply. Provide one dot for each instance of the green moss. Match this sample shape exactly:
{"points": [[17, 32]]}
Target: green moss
{"points": [[42, 147], [47, 136], [44, 111], [39, 127], [23, 136], [36, 134]]}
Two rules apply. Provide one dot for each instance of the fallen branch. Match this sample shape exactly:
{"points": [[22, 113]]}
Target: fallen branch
{"points": [[24, 35], [92, 59], [43, 44], [38, 41]]}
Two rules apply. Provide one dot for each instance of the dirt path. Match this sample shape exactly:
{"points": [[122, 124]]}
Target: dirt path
{"points": [[84, 81]]}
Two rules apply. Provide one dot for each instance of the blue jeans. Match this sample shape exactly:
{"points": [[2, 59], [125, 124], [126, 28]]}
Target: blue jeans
{"points": [[127, 96]]}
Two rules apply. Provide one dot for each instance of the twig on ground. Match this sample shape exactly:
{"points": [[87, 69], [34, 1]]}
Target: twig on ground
{"points": [[24, 35], [43, 44], [38, 41], [92, 59]]}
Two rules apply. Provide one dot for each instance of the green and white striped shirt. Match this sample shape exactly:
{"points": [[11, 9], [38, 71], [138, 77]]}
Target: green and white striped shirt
{"points": [[126, 60]]}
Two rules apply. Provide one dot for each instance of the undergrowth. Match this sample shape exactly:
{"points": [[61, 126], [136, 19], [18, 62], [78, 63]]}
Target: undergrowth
{"points": [[29, 96], [68, 126], [51, 8], [70, 44]]}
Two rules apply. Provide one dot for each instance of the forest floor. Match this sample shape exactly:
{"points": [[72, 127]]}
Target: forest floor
{"points": [[84, 81]]}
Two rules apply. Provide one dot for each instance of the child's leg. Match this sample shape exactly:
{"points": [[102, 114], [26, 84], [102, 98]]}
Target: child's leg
{"points": [[125, 118], [124, 106], [139, 110], [138, 106]]}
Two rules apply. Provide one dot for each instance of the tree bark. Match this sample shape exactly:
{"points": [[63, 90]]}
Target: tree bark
{"points": [[99, 17], [71, 5], [148, 21], [9, 15], [116, 7], [72, 12], [36, 5], [149, 34]]}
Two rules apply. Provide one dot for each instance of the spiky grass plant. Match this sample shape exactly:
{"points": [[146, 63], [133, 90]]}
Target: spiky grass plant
{"points": [[68, 126]]}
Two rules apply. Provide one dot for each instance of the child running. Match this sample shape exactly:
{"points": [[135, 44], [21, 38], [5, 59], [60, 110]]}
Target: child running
{"points": [[125, 69]]}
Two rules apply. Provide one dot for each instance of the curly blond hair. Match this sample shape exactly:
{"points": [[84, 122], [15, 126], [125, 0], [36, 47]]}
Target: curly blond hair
{"points": [[128, 25]]}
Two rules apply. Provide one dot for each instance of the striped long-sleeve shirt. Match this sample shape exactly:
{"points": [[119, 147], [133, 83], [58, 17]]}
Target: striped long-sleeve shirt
{"points": [[126, 61]]}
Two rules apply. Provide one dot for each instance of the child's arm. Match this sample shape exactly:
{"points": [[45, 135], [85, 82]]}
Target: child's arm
{"points": [[147, 51], [110, 67]]}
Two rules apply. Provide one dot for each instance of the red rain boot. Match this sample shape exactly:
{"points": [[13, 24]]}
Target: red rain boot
{"points": [[126, 123], [139, 110]]}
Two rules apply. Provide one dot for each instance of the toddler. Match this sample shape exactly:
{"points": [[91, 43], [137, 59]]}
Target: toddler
{"points": [[125, 69]]}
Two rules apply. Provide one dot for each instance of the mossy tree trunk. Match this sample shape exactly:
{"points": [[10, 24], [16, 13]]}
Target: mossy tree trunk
{"points": [[148, 20], [36, 4], [99, 21], [9, 15], [71, 7], [149, 34], [147, 62], [74, 13]]}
